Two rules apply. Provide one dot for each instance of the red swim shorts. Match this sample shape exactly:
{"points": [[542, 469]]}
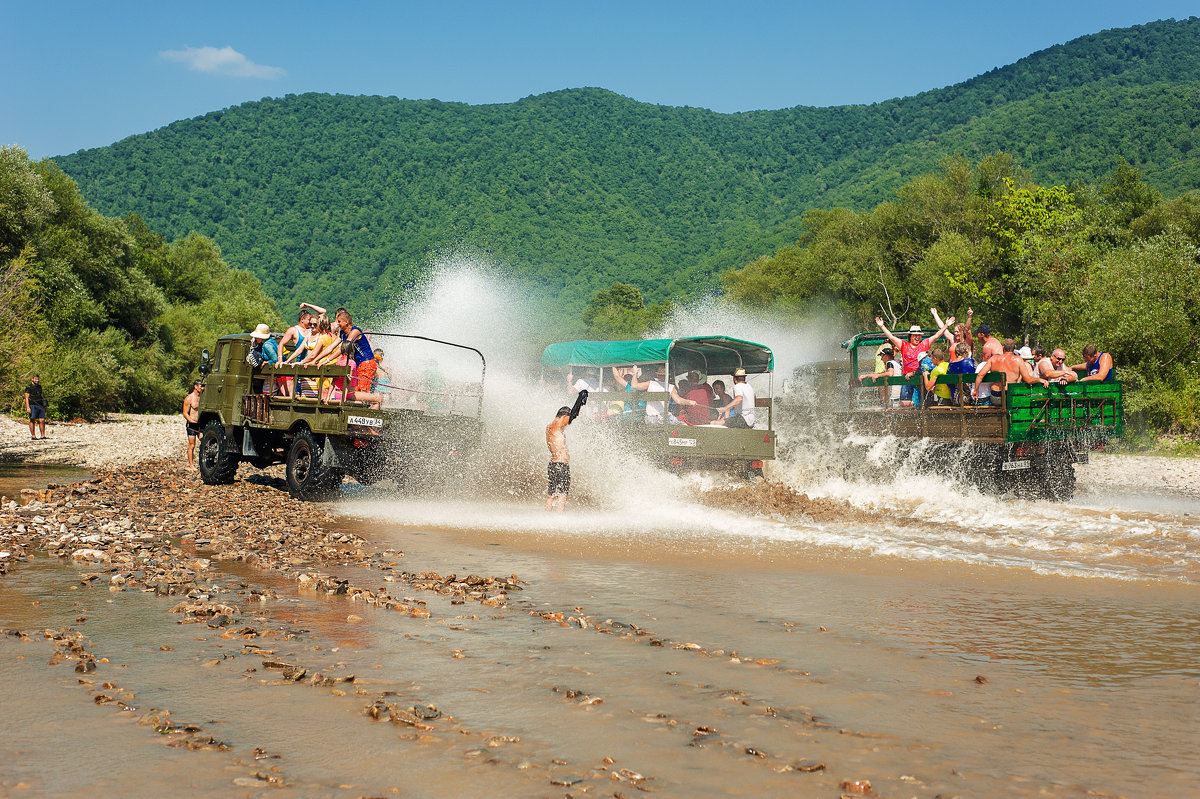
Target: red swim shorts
{"points": [[366, 375]]}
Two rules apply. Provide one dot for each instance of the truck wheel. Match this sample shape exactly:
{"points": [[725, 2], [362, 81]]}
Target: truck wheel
{"points": [[217, 464], [307, 478]]}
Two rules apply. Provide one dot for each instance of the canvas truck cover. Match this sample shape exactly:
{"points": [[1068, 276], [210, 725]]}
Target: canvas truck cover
{"points": [[714, 355]]}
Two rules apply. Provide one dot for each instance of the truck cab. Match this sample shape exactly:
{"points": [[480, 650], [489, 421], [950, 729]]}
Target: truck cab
{"points": [[323, 426]]}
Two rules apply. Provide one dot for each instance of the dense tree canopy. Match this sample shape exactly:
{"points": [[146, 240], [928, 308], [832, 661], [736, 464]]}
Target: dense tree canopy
{"points": [[620, 312], [341, 199], [110, 314]]}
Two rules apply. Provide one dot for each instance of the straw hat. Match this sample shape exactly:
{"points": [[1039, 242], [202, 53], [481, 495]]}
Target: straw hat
{"points": [[261, 332]]}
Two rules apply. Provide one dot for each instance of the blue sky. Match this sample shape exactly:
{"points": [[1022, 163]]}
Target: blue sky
{"points": [[85, 74]]}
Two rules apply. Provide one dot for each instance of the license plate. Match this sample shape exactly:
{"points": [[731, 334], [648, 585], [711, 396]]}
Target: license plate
{"points": [[682, 442], [364, 421], [1012, 466]]}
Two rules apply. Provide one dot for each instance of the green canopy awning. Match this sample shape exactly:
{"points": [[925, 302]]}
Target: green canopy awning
{"points": [[712, 355]]}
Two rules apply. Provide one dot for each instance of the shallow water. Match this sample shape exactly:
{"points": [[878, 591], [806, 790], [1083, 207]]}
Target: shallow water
{"points": [[1083, 618], [908, 632], [16, 476]]}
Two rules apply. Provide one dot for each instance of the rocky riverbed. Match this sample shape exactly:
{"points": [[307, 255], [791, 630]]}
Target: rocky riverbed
{"points": [[152, 528]]}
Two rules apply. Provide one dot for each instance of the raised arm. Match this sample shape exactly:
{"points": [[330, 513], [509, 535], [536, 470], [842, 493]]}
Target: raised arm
{"points": [[890, 336], [312, 307], [639, 385], [580, 401], [937, 319], [942, 326]]}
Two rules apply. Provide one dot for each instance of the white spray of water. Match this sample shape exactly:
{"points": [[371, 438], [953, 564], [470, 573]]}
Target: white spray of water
{"points": [[616, 492], [470, 301], [793, 341]]}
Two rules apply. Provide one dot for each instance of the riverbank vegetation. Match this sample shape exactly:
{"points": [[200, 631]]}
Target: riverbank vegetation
{"points": [[106, 311], [1111, 263]]}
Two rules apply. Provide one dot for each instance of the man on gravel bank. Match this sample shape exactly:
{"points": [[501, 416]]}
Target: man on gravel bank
{"points": [[35, 406], [191, 420]]}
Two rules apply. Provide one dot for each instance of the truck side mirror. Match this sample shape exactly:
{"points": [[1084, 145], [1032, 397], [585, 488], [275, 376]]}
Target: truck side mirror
{"points": [[205, 358]]}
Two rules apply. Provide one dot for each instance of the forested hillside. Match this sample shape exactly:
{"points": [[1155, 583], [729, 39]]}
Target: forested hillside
{"points": [[346, 199], [110, 314]]}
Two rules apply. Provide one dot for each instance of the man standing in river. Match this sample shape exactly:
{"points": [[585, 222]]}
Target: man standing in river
{"points": [[558, 473], [191, 420]]}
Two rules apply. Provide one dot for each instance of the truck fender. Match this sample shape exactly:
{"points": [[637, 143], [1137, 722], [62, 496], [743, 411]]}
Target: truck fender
{"points": [[233, 442]]}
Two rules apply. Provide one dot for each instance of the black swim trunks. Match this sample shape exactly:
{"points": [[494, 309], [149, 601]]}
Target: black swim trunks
{"points": [[192, 428], [558, 475]]}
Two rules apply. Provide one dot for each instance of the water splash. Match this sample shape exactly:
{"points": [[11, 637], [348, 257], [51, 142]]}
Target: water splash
{"points": [[841, 493]]}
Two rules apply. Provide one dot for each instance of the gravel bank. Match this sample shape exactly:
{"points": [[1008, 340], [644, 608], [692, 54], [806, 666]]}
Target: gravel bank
{"points": [[1140, 474], [119, 440]]}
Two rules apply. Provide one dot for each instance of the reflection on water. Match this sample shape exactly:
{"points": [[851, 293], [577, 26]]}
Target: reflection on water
{"points": [[16, 476]]}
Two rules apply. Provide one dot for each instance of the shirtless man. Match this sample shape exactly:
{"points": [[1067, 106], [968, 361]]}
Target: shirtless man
{"points": [[989, 347], [191, 420], [558, 473], [1015, 369], [989, 344]]}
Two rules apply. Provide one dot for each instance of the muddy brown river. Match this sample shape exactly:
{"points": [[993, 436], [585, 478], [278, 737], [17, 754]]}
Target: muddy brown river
{"points": [[931, 643]]}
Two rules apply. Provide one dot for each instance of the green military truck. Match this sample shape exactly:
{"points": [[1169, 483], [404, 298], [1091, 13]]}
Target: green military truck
{"points": [[645, 418], [1027, 441], [408, 427]]}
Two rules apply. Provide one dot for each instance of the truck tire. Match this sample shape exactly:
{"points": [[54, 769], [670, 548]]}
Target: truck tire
{"points": [[307, 477], [217, 464]]}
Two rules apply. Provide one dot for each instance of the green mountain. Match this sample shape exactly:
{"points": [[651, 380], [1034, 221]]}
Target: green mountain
{"points": [[347, 200]]}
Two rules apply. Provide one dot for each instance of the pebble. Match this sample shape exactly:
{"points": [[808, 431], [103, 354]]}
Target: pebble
{"points": [[857, 787]]}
